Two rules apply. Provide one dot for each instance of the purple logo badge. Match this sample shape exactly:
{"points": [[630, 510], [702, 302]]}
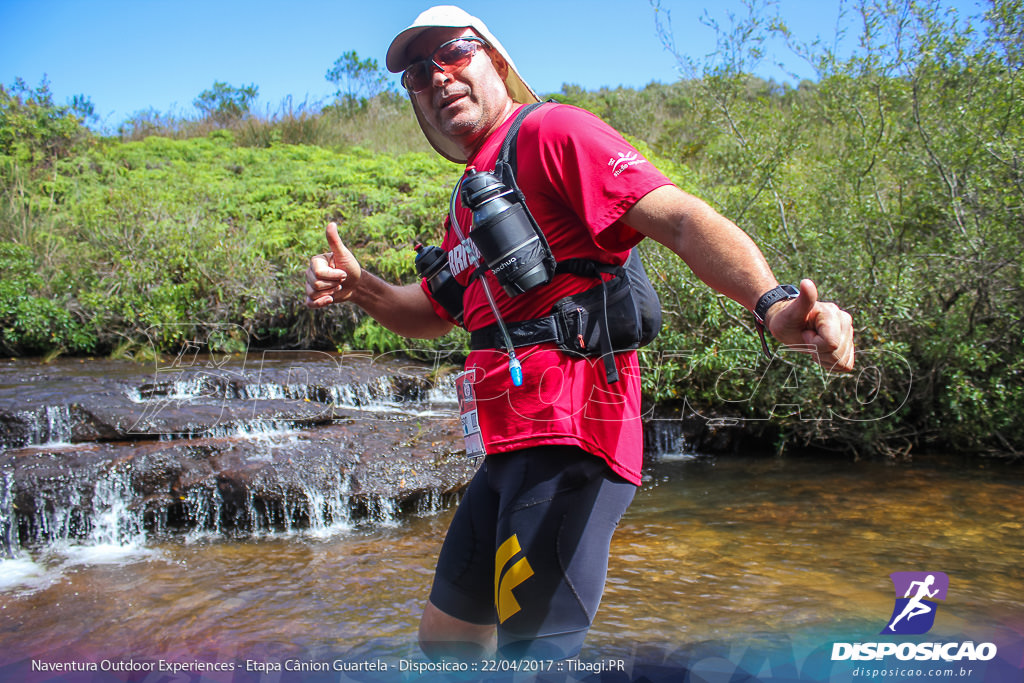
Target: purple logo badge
{"points": [[916, 593]]}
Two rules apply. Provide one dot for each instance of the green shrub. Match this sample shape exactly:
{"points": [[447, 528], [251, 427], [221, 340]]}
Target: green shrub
{"points": [[30, 323]]}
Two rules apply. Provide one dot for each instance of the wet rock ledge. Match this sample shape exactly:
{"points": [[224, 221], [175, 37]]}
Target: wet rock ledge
{"points": [[278, 440]]}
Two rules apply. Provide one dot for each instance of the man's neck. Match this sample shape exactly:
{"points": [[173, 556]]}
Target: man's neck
{"points": [[510, 108]]}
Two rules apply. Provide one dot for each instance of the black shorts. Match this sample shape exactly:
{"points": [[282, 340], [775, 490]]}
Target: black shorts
{"points": [[527, 549]]}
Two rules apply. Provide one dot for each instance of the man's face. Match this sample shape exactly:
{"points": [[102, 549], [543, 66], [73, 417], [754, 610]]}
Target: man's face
{"points": [[466, 105]]}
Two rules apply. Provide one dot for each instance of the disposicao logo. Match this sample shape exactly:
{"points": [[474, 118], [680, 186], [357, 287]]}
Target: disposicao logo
{"points": [[916, 593], [913, 614]]}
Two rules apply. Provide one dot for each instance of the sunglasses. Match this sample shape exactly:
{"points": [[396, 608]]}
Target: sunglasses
{"points": [[449, 58]]}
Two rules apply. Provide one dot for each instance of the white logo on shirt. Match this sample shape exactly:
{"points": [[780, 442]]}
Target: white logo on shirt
{"points": [[624, 161], [463, 256]]}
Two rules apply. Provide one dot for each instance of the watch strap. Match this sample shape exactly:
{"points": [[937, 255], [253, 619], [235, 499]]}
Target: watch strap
{"points": [[767, 300]]}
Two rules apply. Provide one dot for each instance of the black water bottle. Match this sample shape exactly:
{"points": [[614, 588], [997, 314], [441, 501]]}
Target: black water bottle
{"points": [[432, 264], [504, 234]]}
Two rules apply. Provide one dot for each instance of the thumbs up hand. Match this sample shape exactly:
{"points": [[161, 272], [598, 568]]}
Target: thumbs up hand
{"points": [[820, 327], [333, 276]]}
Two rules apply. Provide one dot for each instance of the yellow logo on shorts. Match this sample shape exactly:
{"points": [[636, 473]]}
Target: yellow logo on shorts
{"points": [[520, 571]]}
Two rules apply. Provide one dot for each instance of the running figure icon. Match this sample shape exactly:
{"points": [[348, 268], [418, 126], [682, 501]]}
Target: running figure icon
{"points": [[916, 607], [916, 596]]}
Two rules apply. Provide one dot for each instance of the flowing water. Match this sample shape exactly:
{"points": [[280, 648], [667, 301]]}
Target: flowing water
{"points": [[714, 550], [718, 557]]}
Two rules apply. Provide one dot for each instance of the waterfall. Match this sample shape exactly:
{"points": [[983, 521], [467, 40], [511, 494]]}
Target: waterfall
{"points": [[318, 509], [113, 521], [329, 508], [666, 440], [8, 523], [46, 426], [376, 394], [383, 510], [103, 454], [57, 516], [58, 425], [203, 508], [442, 392], [70, 515]]}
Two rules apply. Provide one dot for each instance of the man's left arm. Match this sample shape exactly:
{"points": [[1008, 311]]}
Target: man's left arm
{"points": [[725, 258]]}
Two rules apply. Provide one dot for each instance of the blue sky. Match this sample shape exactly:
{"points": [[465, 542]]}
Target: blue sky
{"points": [[132, 55]]}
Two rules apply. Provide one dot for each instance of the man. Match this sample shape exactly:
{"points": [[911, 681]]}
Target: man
{"points": [[524, 562]]}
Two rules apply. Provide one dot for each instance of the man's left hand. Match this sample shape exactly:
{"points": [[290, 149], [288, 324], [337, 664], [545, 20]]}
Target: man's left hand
{"points": [[817, 327]]}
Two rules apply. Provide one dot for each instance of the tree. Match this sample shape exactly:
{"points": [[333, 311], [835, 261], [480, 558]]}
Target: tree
{"points": [[225, 104], [35, 130], [357, 81]]}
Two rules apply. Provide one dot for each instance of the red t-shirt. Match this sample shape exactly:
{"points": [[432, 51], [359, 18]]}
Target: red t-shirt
{"points": [[579, 176]]}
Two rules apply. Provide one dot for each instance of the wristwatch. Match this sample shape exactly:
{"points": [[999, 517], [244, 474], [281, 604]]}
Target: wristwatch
{"points": [[767, 300]]}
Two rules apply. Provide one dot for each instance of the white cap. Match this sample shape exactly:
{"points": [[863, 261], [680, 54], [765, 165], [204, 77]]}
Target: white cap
{"points": [[449, 16]]}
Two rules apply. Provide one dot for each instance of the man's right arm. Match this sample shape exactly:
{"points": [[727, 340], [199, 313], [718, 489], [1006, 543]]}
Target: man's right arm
{"points": [[336, 276]]}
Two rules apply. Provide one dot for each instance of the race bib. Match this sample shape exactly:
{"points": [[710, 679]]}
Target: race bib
{"points": [[468, 415]]}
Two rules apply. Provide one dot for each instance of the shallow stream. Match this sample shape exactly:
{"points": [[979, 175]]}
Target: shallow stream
{"points": [[715, 552], [116, 550]]}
